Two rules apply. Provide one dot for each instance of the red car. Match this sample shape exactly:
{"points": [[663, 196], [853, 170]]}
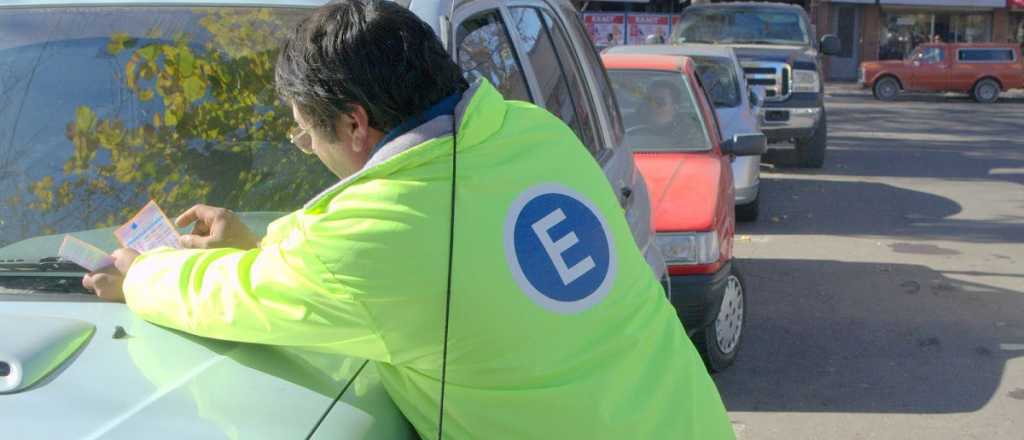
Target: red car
{"points": [[672, 129], [980, 70]]}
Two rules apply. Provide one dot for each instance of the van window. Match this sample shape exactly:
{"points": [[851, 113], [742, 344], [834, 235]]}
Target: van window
{"points": [[589, 60], [485, 51], [985, 55], [547, 68]]}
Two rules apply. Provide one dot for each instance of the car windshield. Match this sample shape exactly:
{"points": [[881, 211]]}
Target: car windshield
{"points": [[740, 26], [659, 111], [720, 80], [105, 108]]}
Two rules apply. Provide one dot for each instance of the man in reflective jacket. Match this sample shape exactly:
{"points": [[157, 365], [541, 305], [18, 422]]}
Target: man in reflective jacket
{"points": [[554, 325]]}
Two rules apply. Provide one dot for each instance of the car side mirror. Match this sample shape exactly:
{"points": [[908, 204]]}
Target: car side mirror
{"points": [[830, 44], [748, 144]]}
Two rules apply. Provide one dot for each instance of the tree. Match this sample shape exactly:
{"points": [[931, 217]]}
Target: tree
{"points": [[204, 125]]}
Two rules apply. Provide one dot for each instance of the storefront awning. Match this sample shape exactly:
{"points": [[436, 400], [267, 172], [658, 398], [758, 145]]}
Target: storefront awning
{"points": [[966, 3], [1015, 4]]}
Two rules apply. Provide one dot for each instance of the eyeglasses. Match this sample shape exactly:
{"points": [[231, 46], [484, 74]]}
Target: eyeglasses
{"points": [[302, 139]]}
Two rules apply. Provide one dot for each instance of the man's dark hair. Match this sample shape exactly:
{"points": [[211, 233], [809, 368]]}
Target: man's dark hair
{"points": [[374, 53]]}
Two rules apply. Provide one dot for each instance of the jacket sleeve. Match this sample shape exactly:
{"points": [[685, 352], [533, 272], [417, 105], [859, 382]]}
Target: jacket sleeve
{"points": [[281, 294]]}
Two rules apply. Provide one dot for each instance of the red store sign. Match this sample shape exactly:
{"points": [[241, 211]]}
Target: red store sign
{"points": [[1015, 4]]}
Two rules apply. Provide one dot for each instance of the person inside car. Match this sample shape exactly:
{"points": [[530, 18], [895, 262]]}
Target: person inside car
{"points": [[473, 249], [663, 99]]}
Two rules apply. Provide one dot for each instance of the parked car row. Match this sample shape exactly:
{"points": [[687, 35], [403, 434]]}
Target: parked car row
{"points": [[678, 129]]}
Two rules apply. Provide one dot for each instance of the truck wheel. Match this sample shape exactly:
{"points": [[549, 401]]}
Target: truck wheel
{"points": [[748, 212], [719, 343], [887, 88], [986, 91], [811, 151]]}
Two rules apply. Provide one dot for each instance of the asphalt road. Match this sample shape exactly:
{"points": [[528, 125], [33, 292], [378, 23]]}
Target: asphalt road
{"points": [[886, 291]]}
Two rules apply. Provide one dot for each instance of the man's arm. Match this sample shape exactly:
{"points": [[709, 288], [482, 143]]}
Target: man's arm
{"points": [[280, 294]]}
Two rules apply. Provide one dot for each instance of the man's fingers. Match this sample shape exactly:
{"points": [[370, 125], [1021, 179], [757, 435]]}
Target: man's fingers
{"points": [[191, 241], [200, 228], [188, 217], [198, 212], [88, 282], [123, 259]]}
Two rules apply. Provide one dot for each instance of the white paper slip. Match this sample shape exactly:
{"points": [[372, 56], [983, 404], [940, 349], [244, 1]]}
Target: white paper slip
{"points": [[84, 254], [148, 230]]}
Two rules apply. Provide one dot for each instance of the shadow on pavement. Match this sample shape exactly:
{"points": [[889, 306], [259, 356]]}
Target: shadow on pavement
{"points": [[859, 208], [831, 336], [957, 139], [1011, 98]]}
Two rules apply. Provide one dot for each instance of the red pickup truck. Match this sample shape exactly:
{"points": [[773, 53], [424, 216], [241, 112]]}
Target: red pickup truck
{"points": [[980, 70]]}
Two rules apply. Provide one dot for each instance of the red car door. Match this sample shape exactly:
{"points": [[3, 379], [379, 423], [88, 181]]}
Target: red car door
{"points": [[930, 68]]}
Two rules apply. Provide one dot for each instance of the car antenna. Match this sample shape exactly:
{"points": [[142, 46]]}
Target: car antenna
{"points": [[451, 234]]}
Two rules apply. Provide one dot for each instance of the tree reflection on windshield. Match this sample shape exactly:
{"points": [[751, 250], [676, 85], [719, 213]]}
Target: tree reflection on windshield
{"points": [[102, 109]]}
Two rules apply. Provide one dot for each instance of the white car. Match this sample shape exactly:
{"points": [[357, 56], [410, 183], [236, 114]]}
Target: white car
{"points": [[736, 106]]}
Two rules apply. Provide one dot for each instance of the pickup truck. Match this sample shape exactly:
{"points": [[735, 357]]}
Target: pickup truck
{"points": [[980, 70], [779, 54]]}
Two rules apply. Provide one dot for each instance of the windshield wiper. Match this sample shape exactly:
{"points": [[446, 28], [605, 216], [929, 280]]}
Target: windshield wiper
{"points": [[45, 265]]}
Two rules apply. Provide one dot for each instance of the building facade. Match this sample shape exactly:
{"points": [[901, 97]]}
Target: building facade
{"points": [[891, 29]]}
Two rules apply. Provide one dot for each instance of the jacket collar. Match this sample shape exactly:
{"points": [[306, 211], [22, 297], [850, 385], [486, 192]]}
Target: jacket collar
{"points": [[474, 125]]}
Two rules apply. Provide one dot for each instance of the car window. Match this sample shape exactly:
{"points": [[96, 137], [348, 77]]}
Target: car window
{"points": [[659, 111], [537, 45], [485, 51], [932, 55], [577, 84], [105, 108], [985, 55], [601, 88], [742, 26], [553, 69], [720, 80]]}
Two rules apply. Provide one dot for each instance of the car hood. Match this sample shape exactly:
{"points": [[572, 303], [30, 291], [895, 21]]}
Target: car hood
{"points": [[784, 54], [131, 379], [684, 189], [78, 367]]}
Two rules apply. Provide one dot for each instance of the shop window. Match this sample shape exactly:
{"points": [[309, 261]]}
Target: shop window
{"points": [[901, 32], [1017, 27]]}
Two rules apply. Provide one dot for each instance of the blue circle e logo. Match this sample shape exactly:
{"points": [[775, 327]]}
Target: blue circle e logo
{"points": [[559, 249]]}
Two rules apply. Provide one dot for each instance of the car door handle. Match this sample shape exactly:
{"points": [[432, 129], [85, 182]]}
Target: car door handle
{"points": [[625, 194]]}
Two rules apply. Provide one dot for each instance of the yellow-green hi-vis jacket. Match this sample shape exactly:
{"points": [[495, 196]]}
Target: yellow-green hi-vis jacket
{"points": [[558, 329]]}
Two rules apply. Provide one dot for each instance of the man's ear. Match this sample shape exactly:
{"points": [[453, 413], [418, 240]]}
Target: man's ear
{"points": [[354, 125]]}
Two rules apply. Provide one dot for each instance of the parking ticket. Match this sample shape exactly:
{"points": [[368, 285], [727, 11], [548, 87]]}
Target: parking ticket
{"points": [[84, 254], [149, 229]]}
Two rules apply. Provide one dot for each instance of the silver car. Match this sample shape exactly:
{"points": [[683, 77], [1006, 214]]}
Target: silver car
{"points": [[736, 106], [105, 104]]}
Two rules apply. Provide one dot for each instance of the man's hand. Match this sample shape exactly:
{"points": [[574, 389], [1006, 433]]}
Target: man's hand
{"points": [[107, 283], [215, 228]]}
